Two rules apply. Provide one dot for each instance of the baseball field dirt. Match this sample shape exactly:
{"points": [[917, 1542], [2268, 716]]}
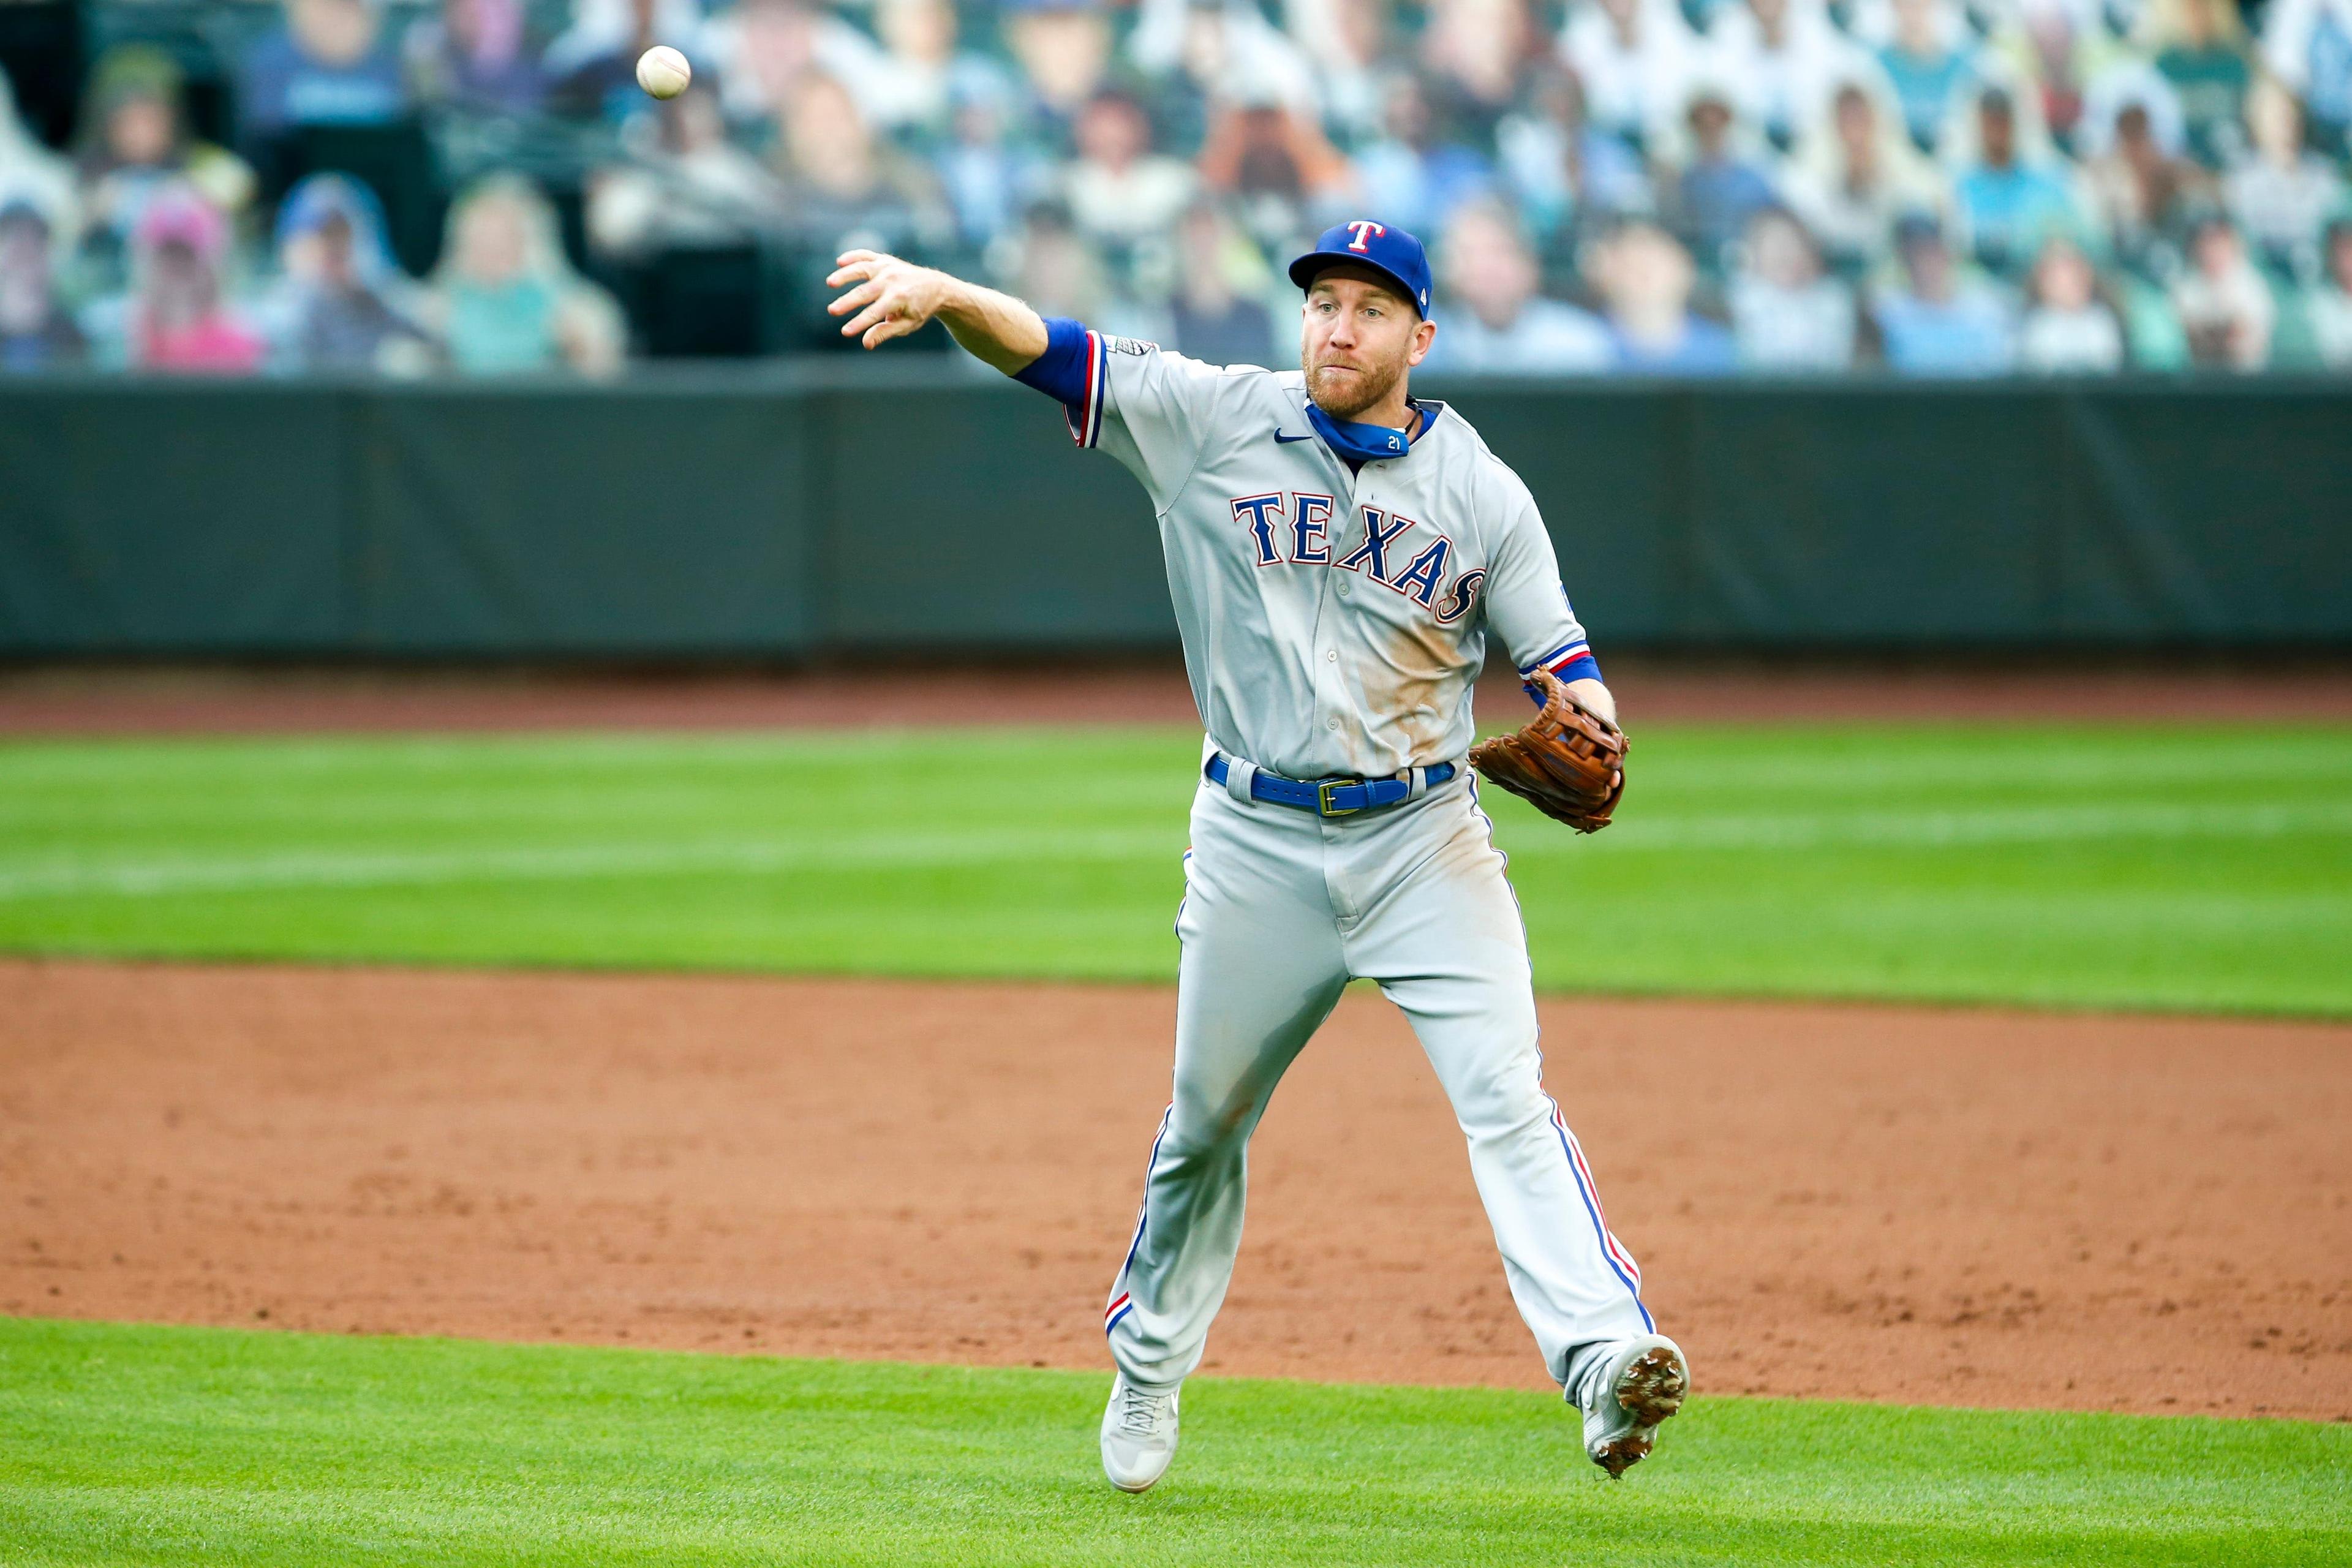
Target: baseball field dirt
{"points": [[1958, 1206]]}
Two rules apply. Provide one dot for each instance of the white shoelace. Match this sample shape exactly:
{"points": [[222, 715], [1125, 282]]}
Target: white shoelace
{"points": [[1138, 1412]]}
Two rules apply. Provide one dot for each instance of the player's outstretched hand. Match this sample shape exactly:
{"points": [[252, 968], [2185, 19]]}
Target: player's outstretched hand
{"points": [[892, 299]]}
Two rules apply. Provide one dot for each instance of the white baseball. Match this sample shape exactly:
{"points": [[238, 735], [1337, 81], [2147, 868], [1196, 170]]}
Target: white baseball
{"points": [[663, 71]]}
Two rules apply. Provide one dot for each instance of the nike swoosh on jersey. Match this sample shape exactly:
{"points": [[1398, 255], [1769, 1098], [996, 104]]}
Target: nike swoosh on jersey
{"points": [[1285, 440]]}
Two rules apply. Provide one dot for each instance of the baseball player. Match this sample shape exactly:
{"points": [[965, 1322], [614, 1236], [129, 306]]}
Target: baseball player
{"points": [[1339, 554]]}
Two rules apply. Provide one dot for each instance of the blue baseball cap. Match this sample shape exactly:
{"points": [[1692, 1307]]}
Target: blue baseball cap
{"points": [[1379, 247]]}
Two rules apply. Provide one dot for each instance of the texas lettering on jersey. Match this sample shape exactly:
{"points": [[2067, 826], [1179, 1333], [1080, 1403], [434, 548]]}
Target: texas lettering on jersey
{"points": [[1258, 516], [1294, 529]]}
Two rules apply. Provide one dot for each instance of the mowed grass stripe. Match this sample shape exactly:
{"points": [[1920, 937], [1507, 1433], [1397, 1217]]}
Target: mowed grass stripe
{"points": [[159, 1445], [2058, 866], [147, 878]]}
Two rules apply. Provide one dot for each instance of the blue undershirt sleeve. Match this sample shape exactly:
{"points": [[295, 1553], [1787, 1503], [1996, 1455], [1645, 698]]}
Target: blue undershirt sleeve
{"points": [[1583, 666], [1060, 373]]}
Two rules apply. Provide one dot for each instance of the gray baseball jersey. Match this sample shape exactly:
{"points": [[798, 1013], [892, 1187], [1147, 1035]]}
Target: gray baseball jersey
{"points": [[1333, 622]]}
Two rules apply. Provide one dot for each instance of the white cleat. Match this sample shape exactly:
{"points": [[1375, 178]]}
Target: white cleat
{"points": [[1626, 1388], [1139, 1436]]}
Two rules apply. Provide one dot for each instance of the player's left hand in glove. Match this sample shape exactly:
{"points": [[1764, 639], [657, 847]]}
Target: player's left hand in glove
{"points": [[1569, 762]]}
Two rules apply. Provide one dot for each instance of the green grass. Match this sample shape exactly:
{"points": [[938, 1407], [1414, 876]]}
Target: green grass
{"points": [[132, 1445], [2151, 867]]}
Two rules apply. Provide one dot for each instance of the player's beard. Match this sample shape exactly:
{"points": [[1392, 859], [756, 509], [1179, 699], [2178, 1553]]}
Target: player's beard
{"points": [[1343, 395]]}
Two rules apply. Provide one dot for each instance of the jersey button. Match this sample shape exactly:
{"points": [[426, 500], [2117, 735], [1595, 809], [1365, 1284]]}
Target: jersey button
{"points": [[1330, 655], [1331, 723], [1343, 590]]}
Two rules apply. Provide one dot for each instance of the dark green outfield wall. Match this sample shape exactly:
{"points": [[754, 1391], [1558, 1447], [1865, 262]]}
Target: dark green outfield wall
{"points": [[782, 514]]}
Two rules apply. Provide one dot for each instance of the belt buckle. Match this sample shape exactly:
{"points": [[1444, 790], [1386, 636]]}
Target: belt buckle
{"points": [[1323, 806]]}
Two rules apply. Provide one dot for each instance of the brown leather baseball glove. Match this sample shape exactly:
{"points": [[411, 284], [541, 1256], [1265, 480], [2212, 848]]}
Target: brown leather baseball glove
{"points": [[1568, 762]]}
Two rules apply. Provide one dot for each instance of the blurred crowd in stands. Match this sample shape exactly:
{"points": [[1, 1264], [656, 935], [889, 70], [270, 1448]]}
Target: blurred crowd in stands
{"points": [[1682, 187]]}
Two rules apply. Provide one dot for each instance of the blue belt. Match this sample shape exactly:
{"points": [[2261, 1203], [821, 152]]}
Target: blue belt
{"points": [[1330, 797]]}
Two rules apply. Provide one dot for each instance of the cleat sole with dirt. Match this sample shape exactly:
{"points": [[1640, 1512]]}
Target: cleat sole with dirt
{"points": [[1652, 1387]]}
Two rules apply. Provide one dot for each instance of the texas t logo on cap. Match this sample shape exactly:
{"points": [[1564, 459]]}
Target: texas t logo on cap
{"points": [[1359, 227]]}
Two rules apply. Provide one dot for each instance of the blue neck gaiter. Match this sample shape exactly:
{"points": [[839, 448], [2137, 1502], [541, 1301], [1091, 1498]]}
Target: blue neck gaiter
{"points": [[1360, 444]]}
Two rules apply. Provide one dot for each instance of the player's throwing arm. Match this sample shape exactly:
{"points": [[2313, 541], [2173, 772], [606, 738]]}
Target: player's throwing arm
{"points": [[893, 297], [1343, 558]]}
